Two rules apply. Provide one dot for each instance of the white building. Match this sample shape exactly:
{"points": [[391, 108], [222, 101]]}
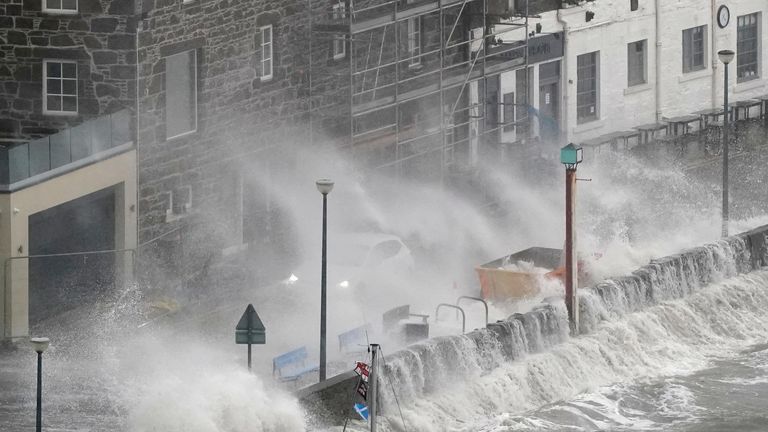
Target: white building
{"points": [[632, 62]]}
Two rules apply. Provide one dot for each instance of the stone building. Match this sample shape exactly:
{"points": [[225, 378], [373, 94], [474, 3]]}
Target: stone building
{"points": [[229, 88], [67, 154], [63, 62], [174, 104]]}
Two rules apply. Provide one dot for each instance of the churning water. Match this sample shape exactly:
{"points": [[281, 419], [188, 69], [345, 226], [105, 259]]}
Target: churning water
{"points": [[679, 345]]}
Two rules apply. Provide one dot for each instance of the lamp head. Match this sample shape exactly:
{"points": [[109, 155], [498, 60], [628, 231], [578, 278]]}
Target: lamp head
{"points": [[726, 56], [571, 155], [325, 186], [40, 344]]}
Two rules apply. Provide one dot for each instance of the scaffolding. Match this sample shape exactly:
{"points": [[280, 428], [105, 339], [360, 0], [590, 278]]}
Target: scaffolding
{"points": [[424, 76]]}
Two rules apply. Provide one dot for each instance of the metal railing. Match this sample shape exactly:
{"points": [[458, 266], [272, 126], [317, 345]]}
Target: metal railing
{"points": [[21, 161], [477, 299], [450, 306]]}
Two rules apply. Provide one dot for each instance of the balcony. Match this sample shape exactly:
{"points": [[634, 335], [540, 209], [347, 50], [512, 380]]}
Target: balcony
{"points": [[22, 164]]}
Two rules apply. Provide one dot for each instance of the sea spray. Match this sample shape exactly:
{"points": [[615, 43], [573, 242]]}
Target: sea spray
{"points": [[636, 326], [191, 390]]}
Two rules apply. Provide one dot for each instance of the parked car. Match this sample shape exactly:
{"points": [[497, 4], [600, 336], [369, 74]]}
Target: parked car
{"points": [[358, 260]]}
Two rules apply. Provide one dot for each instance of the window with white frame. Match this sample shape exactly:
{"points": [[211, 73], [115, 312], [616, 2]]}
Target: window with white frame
{"points": [[60, 6], [267, 57], [694, 49], [587, 105], [180, 94], [748, 47], [339, 44], [636, 63], [414, 41], [59, 87]]}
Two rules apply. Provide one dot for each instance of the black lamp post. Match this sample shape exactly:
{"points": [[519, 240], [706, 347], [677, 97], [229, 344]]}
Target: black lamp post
{"points": [[726, 56], [40, 345], [325, 187]]}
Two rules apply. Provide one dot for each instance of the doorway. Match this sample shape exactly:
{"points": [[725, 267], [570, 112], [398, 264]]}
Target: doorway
{"points": [[549, 102], [61, 283]]}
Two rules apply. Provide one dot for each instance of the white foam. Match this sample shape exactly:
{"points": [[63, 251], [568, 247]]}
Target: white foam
{"points": [[674, 338]]}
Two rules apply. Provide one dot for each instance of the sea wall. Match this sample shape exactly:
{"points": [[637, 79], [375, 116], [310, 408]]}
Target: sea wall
{"points": [[417, 369]]}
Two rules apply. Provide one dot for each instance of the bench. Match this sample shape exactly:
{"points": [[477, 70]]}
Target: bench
{"points": [[292, 365], [393, 321]]}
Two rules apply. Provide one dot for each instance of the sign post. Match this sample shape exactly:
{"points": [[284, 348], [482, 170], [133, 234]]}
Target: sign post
{"points": [[250, 330]]}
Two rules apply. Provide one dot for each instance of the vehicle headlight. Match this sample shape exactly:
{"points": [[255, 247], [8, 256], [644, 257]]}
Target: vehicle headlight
{"points": [[344, 284], [291, 279]]}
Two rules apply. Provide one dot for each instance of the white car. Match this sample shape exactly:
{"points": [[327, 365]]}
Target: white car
{"points": [[358, 260]]}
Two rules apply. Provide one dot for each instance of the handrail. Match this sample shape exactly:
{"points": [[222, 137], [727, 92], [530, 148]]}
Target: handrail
{"points": [[475, 299], [463, 316]]}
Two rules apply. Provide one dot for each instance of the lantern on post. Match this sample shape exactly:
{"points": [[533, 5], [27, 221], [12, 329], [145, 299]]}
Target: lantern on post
{"points": [[571, 156]]}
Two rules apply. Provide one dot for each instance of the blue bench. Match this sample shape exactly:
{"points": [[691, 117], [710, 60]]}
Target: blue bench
{"points": [[292, 365]]}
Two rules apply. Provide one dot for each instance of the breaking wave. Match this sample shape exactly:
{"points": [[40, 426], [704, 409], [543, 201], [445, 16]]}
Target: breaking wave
{"points": [[671, 317]]}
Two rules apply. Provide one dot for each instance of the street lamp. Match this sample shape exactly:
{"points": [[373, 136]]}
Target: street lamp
{"points": [[325, 186], [571, 156], [726, 56], [39, 345]]}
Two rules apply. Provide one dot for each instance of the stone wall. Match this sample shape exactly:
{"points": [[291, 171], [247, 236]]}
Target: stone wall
{"points": [[242, 120], [100, 37]]}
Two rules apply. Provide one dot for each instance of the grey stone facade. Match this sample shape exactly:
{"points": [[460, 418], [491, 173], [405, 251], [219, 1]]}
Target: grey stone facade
{"points": [[241, 119], [99, 37]]}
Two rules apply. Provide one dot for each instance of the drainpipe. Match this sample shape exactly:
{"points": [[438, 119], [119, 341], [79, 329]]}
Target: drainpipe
{"points": [[139, 25], [564, 84], [713, 55], [658, 60]]}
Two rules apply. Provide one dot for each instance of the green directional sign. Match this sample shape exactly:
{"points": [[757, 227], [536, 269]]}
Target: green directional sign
{"points": [[250, 329]]}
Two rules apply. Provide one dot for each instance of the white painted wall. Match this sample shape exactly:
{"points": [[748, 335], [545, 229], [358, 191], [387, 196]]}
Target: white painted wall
{"points": [[614, 26]]}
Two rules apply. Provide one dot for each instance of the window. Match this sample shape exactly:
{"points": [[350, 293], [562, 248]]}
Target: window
{"points": [[694, 48], [586, 87], [747, 47], [509, 112], [636, 64], [60, 6], [181, 93], [60, 87], [633, 5], [266, 53], [414, 41], [339, 44]]}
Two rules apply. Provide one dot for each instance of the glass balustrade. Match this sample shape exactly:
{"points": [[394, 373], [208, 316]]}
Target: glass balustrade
{"points": [[22, 161]]}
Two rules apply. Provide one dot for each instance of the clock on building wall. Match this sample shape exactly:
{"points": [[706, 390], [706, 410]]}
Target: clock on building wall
{"points": [[723, 16]]}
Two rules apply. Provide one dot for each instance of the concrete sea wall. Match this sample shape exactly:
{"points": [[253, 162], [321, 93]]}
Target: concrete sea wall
{"points": [[415, 369]]}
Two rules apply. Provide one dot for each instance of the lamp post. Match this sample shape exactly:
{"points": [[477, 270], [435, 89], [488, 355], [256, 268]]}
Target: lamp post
{"points": [[570, 156], [325, 186], [726, 56], [40, 345]]}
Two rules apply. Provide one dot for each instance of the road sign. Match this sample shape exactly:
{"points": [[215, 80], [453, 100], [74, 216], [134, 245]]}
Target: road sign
{"points": [[250, 329]]}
